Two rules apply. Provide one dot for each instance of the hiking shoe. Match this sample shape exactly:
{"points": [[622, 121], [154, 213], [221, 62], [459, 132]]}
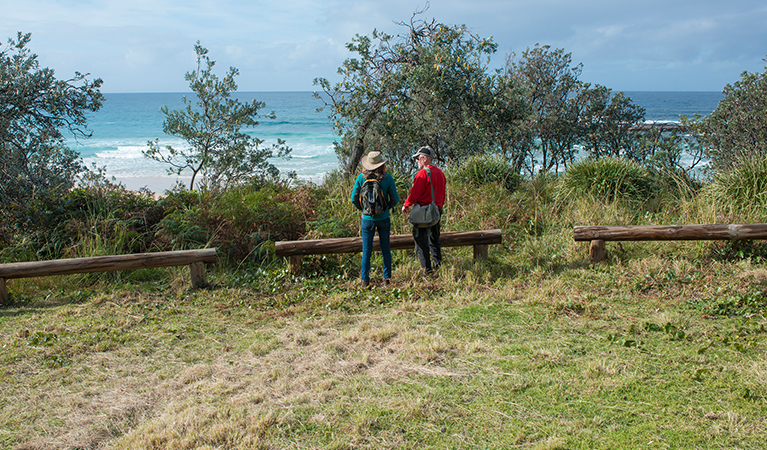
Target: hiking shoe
{"points": [[386, 282], [364, 284]]}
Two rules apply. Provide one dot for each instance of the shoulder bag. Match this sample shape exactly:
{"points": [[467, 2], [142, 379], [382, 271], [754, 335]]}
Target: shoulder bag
{"points": [[427, 215]]}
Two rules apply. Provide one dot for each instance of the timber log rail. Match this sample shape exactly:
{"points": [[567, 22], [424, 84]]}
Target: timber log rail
{"points": [[297, 249], [196, 260], [721, 232]]}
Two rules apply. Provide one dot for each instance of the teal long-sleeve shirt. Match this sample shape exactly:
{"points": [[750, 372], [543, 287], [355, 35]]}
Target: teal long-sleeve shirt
{"points": [[387, 185]]}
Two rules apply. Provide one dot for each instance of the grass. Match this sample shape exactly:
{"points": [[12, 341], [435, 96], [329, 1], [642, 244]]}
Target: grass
{"points": [[617, 355], [661, 346]]}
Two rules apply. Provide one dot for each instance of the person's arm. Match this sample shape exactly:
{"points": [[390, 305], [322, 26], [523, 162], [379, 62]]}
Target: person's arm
{"points": [[355, 199], [420, 182], [393, 195]]}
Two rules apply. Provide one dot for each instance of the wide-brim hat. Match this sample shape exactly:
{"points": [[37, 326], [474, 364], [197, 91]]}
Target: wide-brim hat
{"points": [[425, 151], [372, 160]]}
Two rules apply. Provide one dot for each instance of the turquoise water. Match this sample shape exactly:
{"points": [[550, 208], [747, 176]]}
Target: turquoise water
{"points": [[126, 122]]}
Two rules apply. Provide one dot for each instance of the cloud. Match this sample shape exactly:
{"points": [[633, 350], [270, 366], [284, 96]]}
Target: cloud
{"points": [[147, 45]]}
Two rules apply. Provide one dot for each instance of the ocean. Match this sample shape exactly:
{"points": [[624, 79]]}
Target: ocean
{"points": [[126, 122]]}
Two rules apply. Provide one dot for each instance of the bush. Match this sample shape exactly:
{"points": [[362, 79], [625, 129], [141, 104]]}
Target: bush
{"points": [[738, 126], [481, 170], [87, 222], [238, 220], [607, 179], [743, 189]]}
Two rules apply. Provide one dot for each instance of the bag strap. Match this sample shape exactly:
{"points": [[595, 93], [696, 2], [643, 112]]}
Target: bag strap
{"points": [[428, 174]]}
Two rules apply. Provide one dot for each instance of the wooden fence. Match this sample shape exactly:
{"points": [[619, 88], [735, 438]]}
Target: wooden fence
{"points": [[194, 258], [297, 249], [599, 234]]}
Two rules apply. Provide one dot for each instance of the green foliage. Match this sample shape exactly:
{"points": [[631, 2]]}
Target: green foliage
{"points": [[737, 128], [335, 216], [674, 151], [220, 152], [562, 111], [428, 85], [481, 170], [609, 179], [742, 190], [37, 108], [745, 304], [607, 121], [431, 85], [732, 251], [184, 228], [551, 89], [239, 221], [88, 222]]}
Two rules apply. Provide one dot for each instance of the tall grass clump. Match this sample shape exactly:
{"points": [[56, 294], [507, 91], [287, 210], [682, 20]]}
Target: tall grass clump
{"points": [[91, 221], [485, 169], [335, 215], [606, 179], [742, 191]]}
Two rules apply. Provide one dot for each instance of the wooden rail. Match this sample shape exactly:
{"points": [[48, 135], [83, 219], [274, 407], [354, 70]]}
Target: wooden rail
{"points": [[599, 234], [297, 249], [194, 258]]}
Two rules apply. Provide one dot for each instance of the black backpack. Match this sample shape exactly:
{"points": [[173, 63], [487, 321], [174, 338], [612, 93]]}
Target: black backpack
{"points": [[372, 198]]}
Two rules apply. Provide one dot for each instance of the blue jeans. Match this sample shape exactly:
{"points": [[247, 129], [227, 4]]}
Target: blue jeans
{"points": [[369, 228]]}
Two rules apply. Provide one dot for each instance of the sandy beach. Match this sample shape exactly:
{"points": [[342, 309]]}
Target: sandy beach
{"points": [[158, 185]]}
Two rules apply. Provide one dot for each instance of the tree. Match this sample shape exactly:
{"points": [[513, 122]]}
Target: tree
{"points": [[553, 93], [427, 87], [219, 151], [738, 125], [607, 123], [36, 109]]}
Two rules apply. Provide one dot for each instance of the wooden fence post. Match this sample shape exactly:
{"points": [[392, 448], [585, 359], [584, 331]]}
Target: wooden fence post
{"points": [[480, 251], [296, 262], [3, 292], [597, 250], [197, 271]]}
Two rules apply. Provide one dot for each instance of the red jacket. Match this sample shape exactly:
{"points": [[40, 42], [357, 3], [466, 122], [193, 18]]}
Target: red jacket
{"points": [[421, 191]]}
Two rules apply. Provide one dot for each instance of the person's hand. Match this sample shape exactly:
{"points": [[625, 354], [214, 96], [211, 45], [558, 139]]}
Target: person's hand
{"points": [[404, 209]]}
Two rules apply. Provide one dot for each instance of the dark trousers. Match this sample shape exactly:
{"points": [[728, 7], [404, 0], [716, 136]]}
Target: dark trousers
{"points": [[427, 247]]}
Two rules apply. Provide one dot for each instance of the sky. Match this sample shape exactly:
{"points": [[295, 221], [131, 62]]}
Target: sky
{"points": [[283, 45]]}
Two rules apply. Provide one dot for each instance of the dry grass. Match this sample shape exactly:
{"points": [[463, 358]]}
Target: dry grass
{"points": [[468, 361], [229, 388]]}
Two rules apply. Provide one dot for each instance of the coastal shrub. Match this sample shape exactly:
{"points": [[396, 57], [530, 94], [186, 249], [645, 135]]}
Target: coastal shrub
{"points": [[184, 228], [608, 179], [741, 191], [38, 112], [239, 221], [218, 151], [89, 221], [335, 216], [179, 197], [271, 211], [480, 170], [737, 128]]}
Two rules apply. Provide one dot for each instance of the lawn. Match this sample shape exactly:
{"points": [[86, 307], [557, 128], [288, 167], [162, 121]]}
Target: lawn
{"points": [[642, 352]]}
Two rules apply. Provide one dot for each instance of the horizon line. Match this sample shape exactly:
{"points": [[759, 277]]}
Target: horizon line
{"points": [[313, 91]]}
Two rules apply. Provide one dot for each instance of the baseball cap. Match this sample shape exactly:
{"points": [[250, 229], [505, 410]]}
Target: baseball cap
{"points": [[425, 150]]}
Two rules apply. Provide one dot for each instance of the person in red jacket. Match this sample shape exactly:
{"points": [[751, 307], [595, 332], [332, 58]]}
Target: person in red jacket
{"points": [[427, 245]]}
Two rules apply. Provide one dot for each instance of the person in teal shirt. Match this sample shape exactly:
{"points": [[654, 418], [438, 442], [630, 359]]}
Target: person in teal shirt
{"points": [[374, 167]]}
